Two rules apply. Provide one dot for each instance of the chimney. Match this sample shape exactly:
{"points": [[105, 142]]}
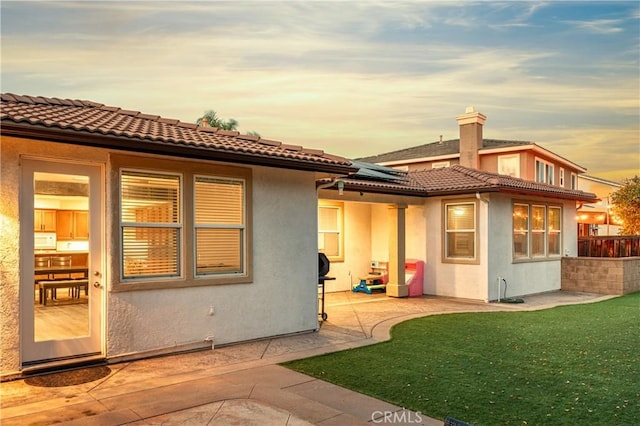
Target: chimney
{"points": [[470, 123]]}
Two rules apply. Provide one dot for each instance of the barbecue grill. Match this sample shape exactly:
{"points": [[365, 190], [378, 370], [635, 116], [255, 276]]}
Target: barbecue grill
{"points": [[323, 269]]}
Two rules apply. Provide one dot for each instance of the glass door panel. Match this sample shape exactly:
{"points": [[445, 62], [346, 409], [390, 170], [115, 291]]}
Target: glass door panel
{"points": [[61, 238], [61, 296]]}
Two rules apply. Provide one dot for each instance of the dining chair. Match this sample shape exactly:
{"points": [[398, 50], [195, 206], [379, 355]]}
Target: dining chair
{"points": [[57, 261], [40, 262]]}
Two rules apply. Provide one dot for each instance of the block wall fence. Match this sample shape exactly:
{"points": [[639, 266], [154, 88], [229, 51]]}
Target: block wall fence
{"points": [[616, 276]]}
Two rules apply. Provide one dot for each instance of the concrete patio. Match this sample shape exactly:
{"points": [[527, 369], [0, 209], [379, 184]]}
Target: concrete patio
{"points": [[242, 384]]}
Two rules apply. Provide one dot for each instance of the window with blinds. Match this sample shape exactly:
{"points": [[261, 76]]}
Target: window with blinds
{"points": [[460, 230], [219, 225], [150, 224], [330, 218]]}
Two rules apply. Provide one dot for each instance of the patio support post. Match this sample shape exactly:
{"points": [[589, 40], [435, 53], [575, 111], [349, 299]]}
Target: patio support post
{"points": [[396, 286]]}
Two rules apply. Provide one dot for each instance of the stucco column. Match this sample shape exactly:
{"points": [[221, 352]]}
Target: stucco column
{"points": [[396, 286]]}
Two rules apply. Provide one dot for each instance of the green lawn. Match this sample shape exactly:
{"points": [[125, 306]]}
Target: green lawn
{"points": [[569, 365]]}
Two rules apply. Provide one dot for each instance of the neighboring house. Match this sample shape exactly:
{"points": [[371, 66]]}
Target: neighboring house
{"points": [[126, 235], [597, 218], [525, 160], [478, 231]]}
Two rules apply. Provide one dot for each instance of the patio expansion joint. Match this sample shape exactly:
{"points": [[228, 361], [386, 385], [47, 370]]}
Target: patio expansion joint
{"points": [[266, 348], [355, 312]]}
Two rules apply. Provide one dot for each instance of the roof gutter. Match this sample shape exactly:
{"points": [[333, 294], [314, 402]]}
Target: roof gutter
{"points": [[148, 146], [414, 192], [573, 197]]}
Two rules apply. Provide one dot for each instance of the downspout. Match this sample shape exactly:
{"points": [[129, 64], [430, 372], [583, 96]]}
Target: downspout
{"points": [[333, 181], [480, 198], [487, 299]]}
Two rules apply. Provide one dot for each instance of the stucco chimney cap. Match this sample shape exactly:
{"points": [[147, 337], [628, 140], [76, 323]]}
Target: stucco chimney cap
{"points": [[471, 116]]}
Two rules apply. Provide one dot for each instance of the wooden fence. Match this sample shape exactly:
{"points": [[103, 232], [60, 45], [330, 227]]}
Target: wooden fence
{"points": [[609, 246]]}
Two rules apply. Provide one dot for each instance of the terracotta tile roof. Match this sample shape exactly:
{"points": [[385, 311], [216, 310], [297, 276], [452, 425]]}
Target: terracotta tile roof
{"points": [[436, 149], [462, 180], [108, 126]]}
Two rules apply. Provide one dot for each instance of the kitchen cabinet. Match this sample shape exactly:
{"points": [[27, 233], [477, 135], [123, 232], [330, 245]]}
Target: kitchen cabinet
{"points": [[72, 225], [44, 220]]}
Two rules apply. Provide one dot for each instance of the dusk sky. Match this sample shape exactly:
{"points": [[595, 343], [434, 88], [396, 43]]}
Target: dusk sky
{"points": [[351, 78]]}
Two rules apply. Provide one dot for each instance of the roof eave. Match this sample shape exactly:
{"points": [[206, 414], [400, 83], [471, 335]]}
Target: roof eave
{"points": [[75, 137], [559, 196], [386, 191]]}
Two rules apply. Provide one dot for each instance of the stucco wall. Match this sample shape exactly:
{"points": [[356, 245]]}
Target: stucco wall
{"points": [[9, 258], [357, 248], [379, 232], [416, 229], [282, 299], [454, 279], [524, 277]]}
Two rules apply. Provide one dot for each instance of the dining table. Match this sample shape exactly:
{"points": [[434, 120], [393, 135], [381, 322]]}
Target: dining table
{"points": [[60, 270], [52, 283]]}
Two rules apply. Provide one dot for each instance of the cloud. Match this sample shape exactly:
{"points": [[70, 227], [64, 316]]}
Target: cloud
{"points": [[352, 78], [598, 26]]}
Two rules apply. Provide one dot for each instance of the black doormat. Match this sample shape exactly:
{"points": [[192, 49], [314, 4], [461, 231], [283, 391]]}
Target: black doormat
{"points": [[69, 378]]}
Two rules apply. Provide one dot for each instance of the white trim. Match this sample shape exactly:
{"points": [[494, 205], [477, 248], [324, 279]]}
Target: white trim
{"points": [[600, 180], [419, 160], [441, 165], [547, 165], [558, 158], [533, 147], [506, 149]]}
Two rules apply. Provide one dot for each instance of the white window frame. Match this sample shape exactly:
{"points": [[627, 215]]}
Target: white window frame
{"points": [[561, 177], [574, 181], [548, 170], [441, 164], [446, 231], [530, 231], [339, 209], [505, 159]]}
